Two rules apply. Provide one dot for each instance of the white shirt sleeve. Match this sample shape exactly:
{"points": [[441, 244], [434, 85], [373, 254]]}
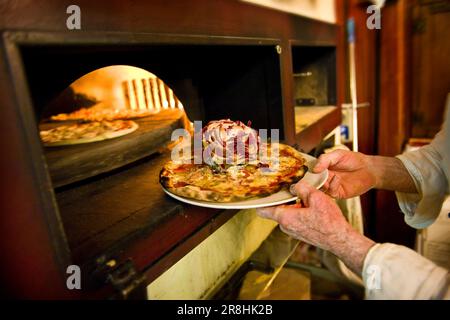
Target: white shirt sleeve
{"points": [[429, 168], [395, 272]]}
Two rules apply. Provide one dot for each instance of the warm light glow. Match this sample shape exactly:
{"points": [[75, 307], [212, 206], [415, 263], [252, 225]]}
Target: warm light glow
{"points": [[171, 99], [162, 92], [154, 85], [126, 87], [130, 95], [140, 95], [148, 94]]}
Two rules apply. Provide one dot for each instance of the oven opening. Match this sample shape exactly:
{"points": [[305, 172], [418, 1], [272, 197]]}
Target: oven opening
{"points": [[107, 191], [105, 120], [113, 92]]}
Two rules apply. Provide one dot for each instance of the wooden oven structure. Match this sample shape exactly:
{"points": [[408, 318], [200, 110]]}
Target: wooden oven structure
{"points": [[243, 60]]}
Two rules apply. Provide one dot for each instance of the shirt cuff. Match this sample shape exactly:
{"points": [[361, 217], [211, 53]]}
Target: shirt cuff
{"points": [[421, 209], [395, 272]]}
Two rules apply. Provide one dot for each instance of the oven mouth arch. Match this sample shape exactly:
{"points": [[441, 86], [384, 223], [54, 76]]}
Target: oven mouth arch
{"points": [[114, 89]]}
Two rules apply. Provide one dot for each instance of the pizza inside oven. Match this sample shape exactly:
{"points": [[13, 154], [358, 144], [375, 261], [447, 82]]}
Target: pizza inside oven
{"points": [[95, 114], [258, 170], [86, 132]]}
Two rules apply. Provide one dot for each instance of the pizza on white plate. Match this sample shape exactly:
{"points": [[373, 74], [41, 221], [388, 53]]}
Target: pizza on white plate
{"points": [[235, 176], [86, 132]]}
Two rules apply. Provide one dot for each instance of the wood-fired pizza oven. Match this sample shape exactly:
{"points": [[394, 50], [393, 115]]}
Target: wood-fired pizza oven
{"points": [[99, 205]]}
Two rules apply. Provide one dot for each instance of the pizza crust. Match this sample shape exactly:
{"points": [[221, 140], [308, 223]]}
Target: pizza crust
{"points": [[104, 136], [230, 190], [92, 114]]}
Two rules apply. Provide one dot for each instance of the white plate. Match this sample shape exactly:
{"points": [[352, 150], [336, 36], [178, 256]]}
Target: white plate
{"points": [[281, 197]]}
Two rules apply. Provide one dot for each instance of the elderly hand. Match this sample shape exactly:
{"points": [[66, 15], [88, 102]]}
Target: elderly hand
{"points": [[350, 173], [320, 223]]}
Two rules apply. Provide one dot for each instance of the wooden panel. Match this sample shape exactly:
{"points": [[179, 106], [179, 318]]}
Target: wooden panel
{"points": [[160, 249], [127, 215], [394, 84], [430, 69], [28, 245], [394, 113], [365, 59], [287, 87], [101, 213], [311, 136], [220, 17], [341, 53], [308, 116]]}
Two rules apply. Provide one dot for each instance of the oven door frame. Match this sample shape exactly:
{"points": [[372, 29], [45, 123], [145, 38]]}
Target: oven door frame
{"points": [[30, 141]]}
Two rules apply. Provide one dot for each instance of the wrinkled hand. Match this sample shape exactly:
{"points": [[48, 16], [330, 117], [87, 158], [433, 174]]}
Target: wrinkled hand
{"points": [[350, 173], [320, 222]]}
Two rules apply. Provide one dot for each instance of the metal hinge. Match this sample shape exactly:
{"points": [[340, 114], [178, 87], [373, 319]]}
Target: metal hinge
{"points": [[128, 283], [279, 49]]}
